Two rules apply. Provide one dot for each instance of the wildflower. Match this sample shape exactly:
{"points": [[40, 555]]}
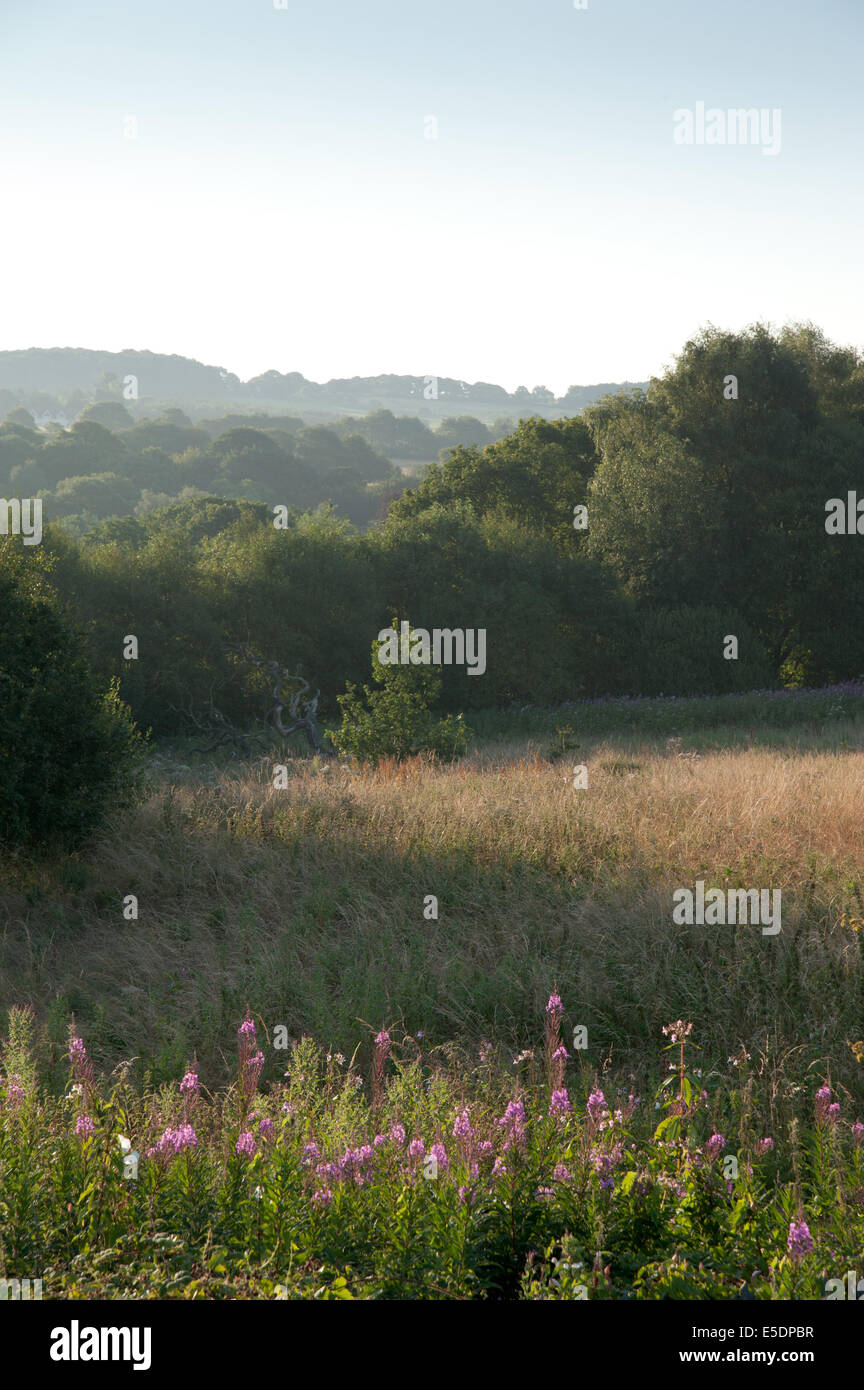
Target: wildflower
{"points": [[486, 1148], [246, 1144], [84, 1126], [499, 1168], [526, 1056], [190, 1083], [561, 1173], [857, 1132], [822, 1103], [832, 1114], [715, 1145], [323, 1197], [596, 1105], [554, 1005], [439, 1153], [604, 1164], [560, 1103], [265, 1128], [677, 1031], [416, 1149], [379, 1140], [514, 1122], [462, 1128], [560, 1054], [799, 1241], [545, 1192], [14, 1089], [466, 1195], [247, 1029], [764, 1146], [397, 1134], [184, 1137]]}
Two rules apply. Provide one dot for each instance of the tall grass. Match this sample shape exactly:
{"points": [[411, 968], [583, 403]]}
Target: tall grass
{"points": [[308, 903]]}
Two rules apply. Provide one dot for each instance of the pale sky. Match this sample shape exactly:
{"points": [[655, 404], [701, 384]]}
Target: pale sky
{"points": [[277, 204]]}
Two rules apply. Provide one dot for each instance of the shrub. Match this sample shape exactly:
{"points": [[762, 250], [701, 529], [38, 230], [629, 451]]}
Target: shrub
{"points": [[69, 751], [396, 720]]}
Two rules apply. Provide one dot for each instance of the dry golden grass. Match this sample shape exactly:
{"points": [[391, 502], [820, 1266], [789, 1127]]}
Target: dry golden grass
{"points": [[308, 903]]}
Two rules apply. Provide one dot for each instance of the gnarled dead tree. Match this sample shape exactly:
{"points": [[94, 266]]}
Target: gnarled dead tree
{"points": [[302, 707]]}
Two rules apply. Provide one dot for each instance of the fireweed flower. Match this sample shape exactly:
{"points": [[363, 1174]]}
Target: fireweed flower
{"points": [[397, 1134], [604, 1165], [247, 1029], [832, 1114], [559, 1103], [323, 1197], [14, 1089], [462, 1128], [764, 1146], [715, 1145], [246, 1144], [174, 1141], [554, 1005], [596, 1107], [799, 1242], [439, 1153], [857, 1132], [561, 1173], [380, 1140], [513, 1123], [485, 1148], [84, 1126], [822, 1102], [416, 1149], [265, 1128], [190, 1084]]}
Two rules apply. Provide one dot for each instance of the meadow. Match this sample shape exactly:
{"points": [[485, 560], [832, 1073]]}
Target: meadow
{"points": [[305, 911]]}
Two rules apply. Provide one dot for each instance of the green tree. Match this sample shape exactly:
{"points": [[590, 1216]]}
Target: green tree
{"points": [[69, 752], [395, 720]]}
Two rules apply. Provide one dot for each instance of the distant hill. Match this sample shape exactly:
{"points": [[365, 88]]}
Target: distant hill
{"points": [[63, 381]]}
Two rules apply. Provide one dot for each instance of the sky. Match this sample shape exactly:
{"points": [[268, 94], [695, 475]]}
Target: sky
{"points": [[485, 189]]}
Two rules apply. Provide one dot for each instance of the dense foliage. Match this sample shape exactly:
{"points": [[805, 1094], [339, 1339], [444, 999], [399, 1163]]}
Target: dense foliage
{"points": [[612, 553], [67, 744]]}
